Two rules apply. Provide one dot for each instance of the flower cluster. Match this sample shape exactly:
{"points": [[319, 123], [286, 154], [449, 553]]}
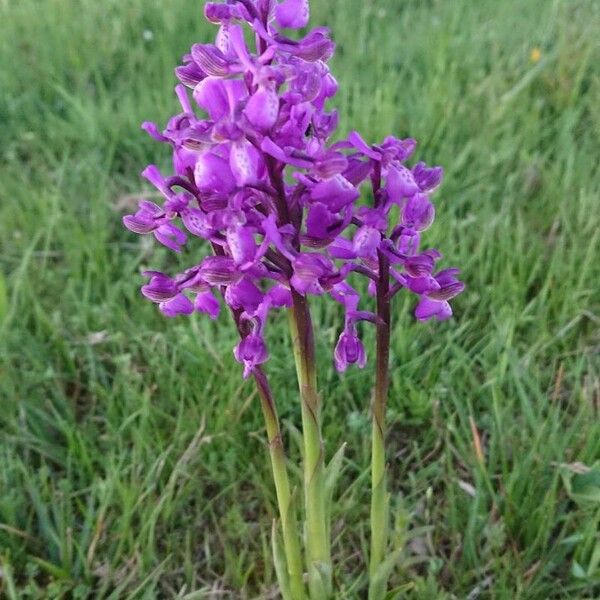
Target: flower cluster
{"points": [[279, 205]]}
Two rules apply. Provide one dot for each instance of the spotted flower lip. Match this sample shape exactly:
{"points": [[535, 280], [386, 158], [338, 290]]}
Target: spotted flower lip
{"points": [[275, 206]]}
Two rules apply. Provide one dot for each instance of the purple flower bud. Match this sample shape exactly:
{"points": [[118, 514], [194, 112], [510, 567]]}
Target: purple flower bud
{"points": [[418, 213], [349, 350], [251, 351]]}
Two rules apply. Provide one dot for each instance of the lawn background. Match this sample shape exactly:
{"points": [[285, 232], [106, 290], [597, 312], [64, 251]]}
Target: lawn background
{"points": [[132, 457]]}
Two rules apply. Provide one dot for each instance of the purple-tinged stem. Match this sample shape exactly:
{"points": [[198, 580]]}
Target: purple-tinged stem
{"points": [[379, 500]]}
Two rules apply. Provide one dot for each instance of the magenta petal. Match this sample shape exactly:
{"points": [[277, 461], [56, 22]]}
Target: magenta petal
{"points": [[419, 213], [262, 109], [356, 140], [179, 305], [139, 223], [245, 295], [420, 285], [170, 236], [206, 302], [318, 221], [190, 75], [218, 270], [195, 222], [210, 59], [213, 174], [160, 287], [427, 308], [152, 130], [447, 276], [243, 161], [251, 351], [342, 249], [400, 183], [427, 178], [242, 245], [218, 97], [335, 193], [279, 296], [349, 350], [366, 241], [293, 13]]}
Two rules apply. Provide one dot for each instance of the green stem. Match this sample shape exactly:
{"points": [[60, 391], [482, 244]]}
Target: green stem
{"points": [[282, 488], [379, 501], [318, 546]]}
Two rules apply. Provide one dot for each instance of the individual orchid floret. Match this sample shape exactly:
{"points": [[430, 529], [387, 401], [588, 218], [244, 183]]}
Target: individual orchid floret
{"points": [[164, 291], [251, 351], [434, 303], [349, 350]]}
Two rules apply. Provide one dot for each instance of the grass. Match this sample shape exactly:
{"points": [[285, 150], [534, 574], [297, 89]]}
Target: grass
{"points": [[132, 455]]}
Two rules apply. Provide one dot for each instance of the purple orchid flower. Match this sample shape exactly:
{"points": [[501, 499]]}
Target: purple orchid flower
{"points": [[281, 207]]}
